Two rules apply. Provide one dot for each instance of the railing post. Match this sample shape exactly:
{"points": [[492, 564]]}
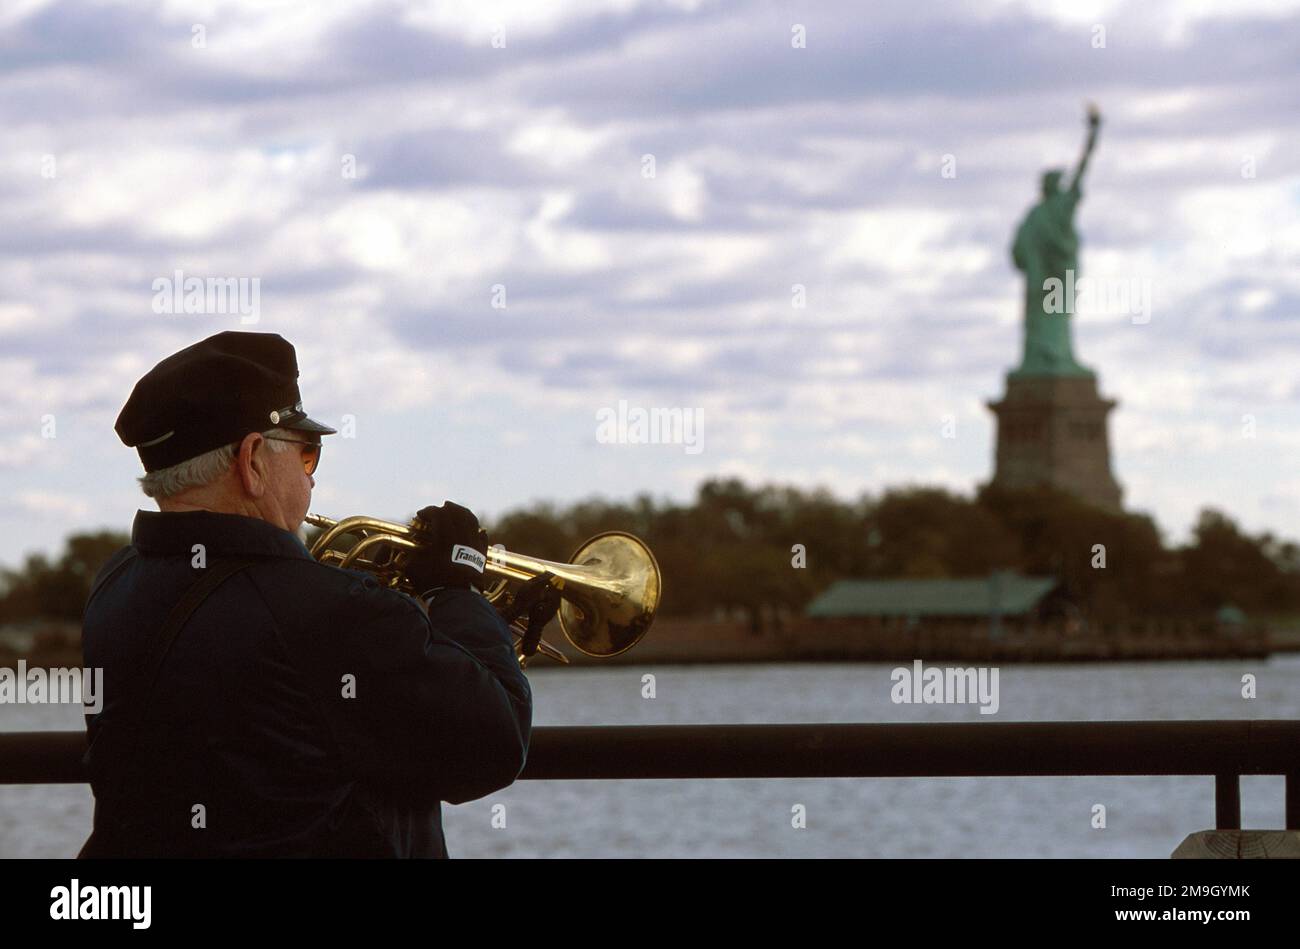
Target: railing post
{"points": [[1293, 801], [1227, 802]]}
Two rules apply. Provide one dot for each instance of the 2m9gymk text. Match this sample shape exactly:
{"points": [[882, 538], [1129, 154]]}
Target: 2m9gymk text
{"points": [[1188, 889]]}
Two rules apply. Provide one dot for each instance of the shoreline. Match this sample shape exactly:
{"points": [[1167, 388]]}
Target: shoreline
{"points": [[685, 641]]}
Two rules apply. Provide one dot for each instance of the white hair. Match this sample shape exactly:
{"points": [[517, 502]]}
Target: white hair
{"points": [[200, 470]]}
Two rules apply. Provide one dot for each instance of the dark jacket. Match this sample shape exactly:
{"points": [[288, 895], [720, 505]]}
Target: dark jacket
{"points": [[250, 716]]}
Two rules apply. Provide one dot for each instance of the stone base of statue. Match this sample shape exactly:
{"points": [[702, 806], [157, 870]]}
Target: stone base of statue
{"points": [[1052, 431]]}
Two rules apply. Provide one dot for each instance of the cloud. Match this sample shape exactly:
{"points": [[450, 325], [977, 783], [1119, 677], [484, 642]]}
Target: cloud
{"points": [[46, 504]]}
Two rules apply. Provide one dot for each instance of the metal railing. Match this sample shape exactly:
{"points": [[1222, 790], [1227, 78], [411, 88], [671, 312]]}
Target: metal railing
{"points": [[1222, 749]]}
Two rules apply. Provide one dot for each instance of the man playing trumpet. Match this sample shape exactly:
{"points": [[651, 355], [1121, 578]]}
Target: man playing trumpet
{"points": [[257, 702]]}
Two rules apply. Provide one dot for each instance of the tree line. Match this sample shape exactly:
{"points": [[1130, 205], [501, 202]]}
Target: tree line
{"points": [[753, 549]]}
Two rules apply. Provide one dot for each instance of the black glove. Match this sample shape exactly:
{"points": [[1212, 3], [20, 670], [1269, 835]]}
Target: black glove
{"points": [[452, 552], [539, 601]]}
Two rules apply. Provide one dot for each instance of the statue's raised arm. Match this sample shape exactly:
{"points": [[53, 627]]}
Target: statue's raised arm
{"points": [[1094, 120]]}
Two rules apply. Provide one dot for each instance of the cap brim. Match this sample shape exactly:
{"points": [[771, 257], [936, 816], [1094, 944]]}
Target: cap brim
{"points": [[305, 424]]}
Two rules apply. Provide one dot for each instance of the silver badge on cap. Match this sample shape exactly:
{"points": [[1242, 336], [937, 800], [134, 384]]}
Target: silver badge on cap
{"points": [[275, 417]]}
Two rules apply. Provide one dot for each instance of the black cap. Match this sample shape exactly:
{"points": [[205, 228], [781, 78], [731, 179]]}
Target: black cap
{"points": [[213, 394]]}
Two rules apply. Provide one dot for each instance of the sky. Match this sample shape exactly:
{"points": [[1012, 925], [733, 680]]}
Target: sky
{"points": [[487, 226]]}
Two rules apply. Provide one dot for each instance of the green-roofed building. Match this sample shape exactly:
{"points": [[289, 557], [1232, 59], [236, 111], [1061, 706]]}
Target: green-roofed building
{"points": [[1003, 597]]}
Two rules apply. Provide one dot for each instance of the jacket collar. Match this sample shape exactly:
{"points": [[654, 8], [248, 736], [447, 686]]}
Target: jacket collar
{"points": [[176, 532]]}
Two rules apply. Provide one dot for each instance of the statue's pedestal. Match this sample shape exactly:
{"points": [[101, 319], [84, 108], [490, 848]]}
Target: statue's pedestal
{"points": [[1052, 431]]}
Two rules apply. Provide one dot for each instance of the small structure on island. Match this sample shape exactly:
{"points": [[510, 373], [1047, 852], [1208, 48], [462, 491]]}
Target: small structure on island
{"points": [[1004, 600], [1052, 422]]}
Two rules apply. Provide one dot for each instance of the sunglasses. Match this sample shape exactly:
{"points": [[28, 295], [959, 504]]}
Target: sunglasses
{"points": [[310, 452]]}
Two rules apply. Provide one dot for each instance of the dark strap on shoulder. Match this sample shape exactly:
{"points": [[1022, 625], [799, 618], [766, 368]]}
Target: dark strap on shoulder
{"points": [[158, 645], [156, 648]]}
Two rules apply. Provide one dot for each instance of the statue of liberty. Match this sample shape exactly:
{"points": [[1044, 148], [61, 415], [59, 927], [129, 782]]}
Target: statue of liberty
{"points": [[1045, 248]]}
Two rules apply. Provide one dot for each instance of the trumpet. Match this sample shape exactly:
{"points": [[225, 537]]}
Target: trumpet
{"points": [[609, 589]]}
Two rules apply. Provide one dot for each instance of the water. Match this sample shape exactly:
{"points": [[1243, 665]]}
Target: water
{"points": [[846, 817]]}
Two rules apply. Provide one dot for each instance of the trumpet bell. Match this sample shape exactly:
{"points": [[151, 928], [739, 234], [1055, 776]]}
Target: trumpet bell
{"points": [[613, 604]]}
